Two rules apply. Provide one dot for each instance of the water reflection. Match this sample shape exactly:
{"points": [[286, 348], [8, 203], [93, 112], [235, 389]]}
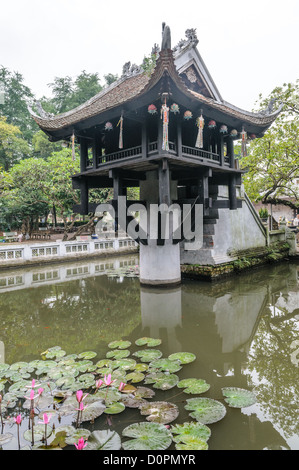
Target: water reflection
{"points": [[242, 330]]}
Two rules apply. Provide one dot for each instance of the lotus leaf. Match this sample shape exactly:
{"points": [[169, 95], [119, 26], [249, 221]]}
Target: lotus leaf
{"points": [[238, 397], [206, 410], [131, 401], [115, 408], [160, 412], [38, 433], [166, 365], [162, 381], [110, 395], [147, 436], [118, 353], [124, 364], [148, 355], [183, 357], [104, 363], [191, 443], [144, 392], [92, 411], [103, 440], [120, 344], [194, 386], [141, 367], [87, 355], [150, 342], [5, 438], [65, 381], [74, 436], [135, 377], [193, 429]]}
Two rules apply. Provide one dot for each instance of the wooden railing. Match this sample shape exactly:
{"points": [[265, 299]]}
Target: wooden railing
{"points": [[136, 152], [200, 154]]}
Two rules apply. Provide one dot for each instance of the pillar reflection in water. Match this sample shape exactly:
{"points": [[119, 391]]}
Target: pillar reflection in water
{"points": [[161, 313]]}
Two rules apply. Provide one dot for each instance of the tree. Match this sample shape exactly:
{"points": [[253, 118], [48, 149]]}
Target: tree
{"points": [[272, 162], [12, 146], [16, 98]]}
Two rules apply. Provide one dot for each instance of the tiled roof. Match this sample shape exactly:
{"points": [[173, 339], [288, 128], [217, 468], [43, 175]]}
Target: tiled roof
{"points": [[130, 87]]}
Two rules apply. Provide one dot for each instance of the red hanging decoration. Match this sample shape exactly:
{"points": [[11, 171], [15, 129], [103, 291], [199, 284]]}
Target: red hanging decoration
{"points": [[165, 117], [108, 126], [200, 124], [152, 109], [187, 115], [212, 124]]}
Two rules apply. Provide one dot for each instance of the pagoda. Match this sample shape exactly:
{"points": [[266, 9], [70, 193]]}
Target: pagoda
{"points": [[169, 132]]}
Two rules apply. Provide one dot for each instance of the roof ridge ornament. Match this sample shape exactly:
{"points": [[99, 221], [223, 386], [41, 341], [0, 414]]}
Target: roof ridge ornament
{"points": [[191, 40], [166, 37]]}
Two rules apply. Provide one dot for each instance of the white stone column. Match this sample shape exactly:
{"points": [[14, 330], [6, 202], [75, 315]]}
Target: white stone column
{"points": [[160, 264]]}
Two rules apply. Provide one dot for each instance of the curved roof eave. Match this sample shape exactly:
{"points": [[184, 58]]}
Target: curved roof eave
{"points": [[128, 88]]}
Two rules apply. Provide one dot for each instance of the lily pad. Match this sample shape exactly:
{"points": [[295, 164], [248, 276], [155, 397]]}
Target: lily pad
{"points": [[183, 357], [92, 411], [115, 408], [120, 344], [206, 410], [150, 342], [161, 412], [238, 397], [191, 443], [5, 438], [103, 440], [124, 364], [38, 433], [146, 436], [135, 377], [162, 381], [118, 353], [148, 355], [87, 355], [193, 429], [194, 386], [76, 435], [166, 365], [144, 392]]}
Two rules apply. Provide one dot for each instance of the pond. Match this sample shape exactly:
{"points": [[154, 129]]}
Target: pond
{"points": [[243, 332]]}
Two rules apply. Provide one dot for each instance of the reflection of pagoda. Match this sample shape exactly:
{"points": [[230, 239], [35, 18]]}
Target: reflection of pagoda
{"points": [[185, 157]]}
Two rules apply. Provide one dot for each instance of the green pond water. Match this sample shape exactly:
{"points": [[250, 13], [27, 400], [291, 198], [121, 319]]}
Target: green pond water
{"points": [[243, 332]]}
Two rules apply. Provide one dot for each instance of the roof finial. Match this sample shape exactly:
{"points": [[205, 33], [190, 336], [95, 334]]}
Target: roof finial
{"points": [[166, 37]]}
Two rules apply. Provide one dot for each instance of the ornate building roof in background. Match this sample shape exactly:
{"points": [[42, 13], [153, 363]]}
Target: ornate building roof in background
{"points": [[183, 65]]}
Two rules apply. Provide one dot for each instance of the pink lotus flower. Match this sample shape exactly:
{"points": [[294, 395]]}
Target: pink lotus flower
{"points": [[46, 418], [81, 444], [79, 396], [81, 406], [107, 380], [32, 396], [99, 383], [18, 419], [121, 386], [40, 391]]}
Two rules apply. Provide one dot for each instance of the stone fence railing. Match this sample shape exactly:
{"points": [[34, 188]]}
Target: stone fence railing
{"points": [[27, 253]]}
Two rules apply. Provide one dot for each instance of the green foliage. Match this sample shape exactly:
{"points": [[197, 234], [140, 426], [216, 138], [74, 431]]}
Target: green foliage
{"points": [[263, 213], [272, 162]]}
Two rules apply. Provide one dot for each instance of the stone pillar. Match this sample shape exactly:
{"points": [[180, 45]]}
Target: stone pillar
{"points": [[160, 257]]}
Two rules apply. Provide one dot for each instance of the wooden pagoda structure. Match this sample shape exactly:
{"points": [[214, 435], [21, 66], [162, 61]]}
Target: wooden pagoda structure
{"points": [[168, 129]]}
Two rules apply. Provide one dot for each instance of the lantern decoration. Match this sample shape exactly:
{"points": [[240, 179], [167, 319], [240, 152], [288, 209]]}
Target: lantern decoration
{"points": [[200, 124], [120, 123], [212, 124], [152, 109], [244, 138], [165, 117], [108, 126], [234, 133], [223, 129], [73, 146], [174, 108], [187, 115], [252, 136]]}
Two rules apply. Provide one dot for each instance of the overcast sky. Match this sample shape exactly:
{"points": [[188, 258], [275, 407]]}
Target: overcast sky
{"points": [[249, 47]]}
